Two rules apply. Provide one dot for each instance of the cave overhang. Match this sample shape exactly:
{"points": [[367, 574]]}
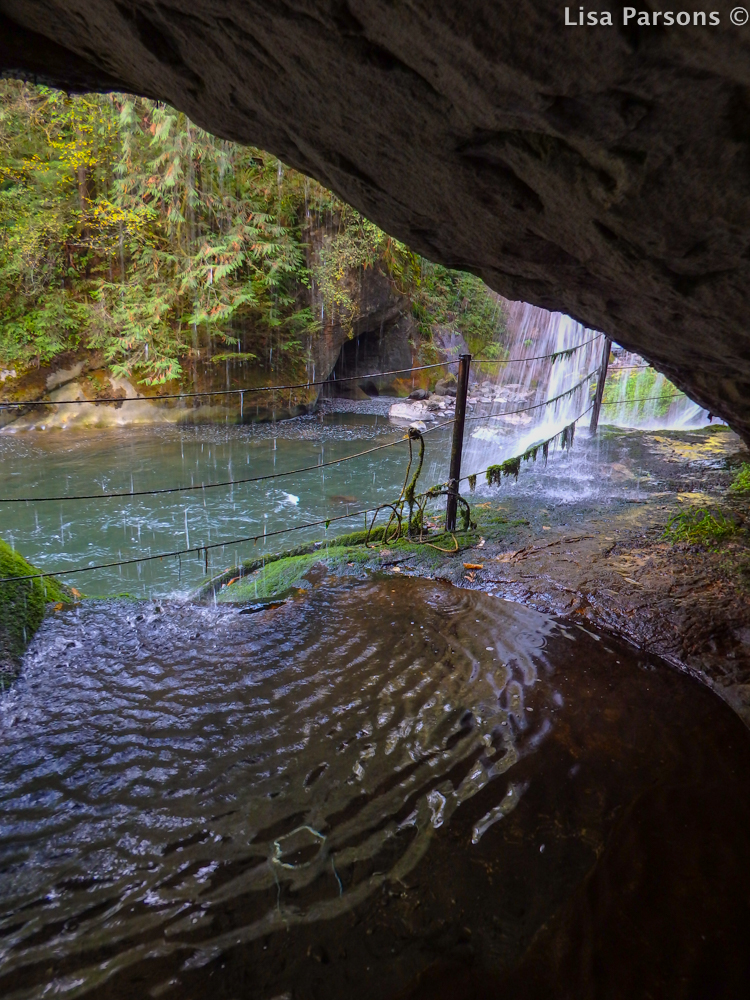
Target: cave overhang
{"points": [[603, 171]]}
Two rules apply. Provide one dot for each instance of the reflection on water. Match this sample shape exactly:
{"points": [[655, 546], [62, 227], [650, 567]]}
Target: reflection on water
{"points": [[371, 777], [298, 759]]}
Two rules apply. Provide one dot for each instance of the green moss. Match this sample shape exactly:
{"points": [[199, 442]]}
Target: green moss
{"points": [[22, 605], [344, 555], [272, 580], [511, 467], [249, 566], [277, 577], [741, 482], [432, 551], [699, 527], [357, 538]]}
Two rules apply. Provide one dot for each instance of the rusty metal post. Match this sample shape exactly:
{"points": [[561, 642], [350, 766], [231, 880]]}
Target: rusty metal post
{"points": [[600, 385], [454, 475]]}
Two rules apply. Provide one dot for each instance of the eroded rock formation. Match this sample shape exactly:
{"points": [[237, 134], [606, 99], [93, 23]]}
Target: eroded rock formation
{"points": [[604, 172]]}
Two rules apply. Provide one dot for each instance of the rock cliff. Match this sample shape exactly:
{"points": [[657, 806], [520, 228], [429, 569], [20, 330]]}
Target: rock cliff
{"points": [[382, 336]]}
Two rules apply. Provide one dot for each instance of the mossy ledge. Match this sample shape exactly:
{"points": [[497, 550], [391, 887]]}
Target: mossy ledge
{"points": [[22, 607], [268, 578]]}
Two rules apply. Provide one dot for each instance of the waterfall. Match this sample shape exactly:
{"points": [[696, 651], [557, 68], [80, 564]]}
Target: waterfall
{"points": [[637, 396], [539, 371]]}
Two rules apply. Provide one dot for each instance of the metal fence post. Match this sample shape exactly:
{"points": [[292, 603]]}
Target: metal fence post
{"points": [[600, 385], [462, 387]]}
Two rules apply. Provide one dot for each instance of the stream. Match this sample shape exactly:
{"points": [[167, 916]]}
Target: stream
{"points": [[388, 787], [61, 535]]}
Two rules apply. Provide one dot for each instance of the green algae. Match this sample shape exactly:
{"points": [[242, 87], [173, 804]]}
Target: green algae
{"points": [[22, 607]]}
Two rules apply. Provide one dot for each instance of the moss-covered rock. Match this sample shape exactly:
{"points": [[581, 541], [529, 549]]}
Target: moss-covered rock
{"points": [[346, 555], [277, 577], [22, 606]]}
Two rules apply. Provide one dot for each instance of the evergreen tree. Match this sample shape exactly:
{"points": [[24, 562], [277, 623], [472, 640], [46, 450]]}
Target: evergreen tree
{"points": [[127, 229]]}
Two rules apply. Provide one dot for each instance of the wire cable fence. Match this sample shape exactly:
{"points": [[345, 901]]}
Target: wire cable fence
{"points": [[222, 392], [4, 405], [205, 548], [126, 494], [195, 549], [562, 353], [210, 546], [537, 406], [641, 399]]}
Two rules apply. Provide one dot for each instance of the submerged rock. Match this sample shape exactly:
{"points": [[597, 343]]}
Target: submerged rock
{"points": [[411, 410]]}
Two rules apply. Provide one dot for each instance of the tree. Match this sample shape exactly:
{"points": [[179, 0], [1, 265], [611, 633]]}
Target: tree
{"points": [[126, 229]]}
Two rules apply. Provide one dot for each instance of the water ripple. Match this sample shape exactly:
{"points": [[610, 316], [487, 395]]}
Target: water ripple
{"points": [[164, 763]]}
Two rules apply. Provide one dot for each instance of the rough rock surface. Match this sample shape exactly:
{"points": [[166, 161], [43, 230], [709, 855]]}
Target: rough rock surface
{"points": [[599, 171], [380, 339]]}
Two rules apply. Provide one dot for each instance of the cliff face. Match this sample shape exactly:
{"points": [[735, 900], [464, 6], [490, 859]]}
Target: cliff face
{"points": [[379, 336], [599, 171]]}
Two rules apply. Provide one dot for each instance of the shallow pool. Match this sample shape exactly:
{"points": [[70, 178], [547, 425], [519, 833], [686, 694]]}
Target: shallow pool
{"points": [[386, 788]]}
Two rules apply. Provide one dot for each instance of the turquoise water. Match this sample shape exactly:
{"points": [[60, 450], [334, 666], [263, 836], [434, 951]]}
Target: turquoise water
{"points": [[62, 535]]}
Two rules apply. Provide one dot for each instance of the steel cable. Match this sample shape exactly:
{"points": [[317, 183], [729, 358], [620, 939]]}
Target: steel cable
{"points": [[253, 538], [280, 388]]}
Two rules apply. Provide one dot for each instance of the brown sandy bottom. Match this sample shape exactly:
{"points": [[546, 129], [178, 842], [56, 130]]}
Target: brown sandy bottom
{"points": [[391, 788]]}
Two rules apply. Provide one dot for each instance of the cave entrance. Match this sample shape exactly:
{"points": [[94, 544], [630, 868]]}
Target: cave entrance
{"points": [[381, 348]]}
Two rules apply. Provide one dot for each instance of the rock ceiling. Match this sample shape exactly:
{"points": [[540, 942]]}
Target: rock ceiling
{"points": [[604, 171]]}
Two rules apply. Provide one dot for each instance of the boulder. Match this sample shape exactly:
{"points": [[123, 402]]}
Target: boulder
{"points": [[405, 411]]}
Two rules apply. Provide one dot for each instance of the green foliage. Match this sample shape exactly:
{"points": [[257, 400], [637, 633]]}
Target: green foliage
{"points": [[127, 229], [741, 482], [463, 304], [699, 527], [357, 245], [22, 604]]}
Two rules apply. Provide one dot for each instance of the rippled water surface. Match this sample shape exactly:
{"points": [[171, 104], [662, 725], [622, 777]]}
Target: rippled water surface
{"points": [[374, 788]]}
